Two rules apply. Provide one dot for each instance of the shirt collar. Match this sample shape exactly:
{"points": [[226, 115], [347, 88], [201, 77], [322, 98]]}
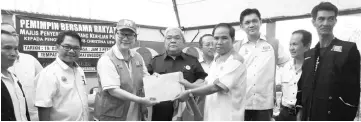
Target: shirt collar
{"points": [[118, 54], [181, 56], [64, 65], [11, 75], [261, 37], [201, 59], [225, 56]]}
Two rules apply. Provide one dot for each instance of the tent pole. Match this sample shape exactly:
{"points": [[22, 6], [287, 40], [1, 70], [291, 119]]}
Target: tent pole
{"points": [[176, 12]]}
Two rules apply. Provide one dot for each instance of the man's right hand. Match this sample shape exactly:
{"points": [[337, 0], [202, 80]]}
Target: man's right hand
{"points": [[148, 101]]}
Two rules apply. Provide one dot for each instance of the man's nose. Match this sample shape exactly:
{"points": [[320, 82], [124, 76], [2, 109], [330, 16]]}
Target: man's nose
{"points": [[14, 53]]}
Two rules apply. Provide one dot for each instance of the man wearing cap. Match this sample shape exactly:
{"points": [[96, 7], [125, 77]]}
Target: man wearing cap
{"points": [[121, 72]]}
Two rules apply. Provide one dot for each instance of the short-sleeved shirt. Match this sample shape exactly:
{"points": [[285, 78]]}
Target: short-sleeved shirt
{"points": [[204, 64], [62, 89], [229, 73], [17, 96], [109, 77], [189, 65], [26, 67], [289, 79], [260, 63]]}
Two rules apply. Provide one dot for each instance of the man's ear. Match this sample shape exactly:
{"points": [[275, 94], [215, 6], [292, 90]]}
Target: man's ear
{"points": [[241, 25], [57, 46], [308, 46], [313, 22]]}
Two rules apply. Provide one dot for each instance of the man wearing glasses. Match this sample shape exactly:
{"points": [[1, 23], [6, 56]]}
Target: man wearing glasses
{"points": [[60, 93], [121, 71], [25, 67]]}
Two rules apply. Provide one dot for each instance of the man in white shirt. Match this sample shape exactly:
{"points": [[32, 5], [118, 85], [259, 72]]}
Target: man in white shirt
{"points": [[261, 57], [25, 67], [226, 82], [13, 102], [300, 43], [207, 45], [60, 93]]}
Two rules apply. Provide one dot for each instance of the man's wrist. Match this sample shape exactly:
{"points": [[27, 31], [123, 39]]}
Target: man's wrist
{"points": [[189, 91], [139, 100]]}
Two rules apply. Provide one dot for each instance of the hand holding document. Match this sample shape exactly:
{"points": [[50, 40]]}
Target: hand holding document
{"points": [[163, 87]]}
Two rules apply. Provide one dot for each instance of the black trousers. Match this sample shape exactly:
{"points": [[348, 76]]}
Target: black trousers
{"points": [[258, 115], [286, 114], [163, 111]]}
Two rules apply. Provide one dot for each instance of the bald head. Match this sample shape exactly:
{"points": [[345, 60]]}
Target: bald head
{"points": [[8, 27]]}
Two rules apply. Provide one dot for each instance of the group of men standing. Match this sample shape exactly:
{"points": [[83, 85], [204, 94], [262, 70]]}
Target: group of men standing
{"points": [[234, 80]]}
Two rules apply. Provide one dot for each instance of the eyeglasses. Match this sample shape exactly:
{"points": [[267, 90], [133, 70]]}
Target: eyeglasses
{"points": [[68, 48], [173, 37], [129, 35], [14, 34]]}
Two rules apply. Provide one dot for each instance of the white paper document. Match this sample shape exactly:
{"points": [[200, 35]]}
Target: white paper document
{"points": [[163, 87]]}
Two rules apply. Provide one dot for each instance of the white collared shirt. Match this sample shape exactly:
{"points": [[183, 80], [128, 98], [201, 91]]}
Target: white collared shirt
{"points": [[26, 67], [63, 89], [109, 77], [16, 95], [204, 64], [260, 63], [228, 104], [289, 79]]}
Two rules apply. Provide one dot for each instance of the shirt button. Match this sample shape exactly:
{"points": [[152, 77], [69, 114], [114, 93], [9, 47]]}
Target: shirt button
{"points": [[329, 112], [330, 98]]}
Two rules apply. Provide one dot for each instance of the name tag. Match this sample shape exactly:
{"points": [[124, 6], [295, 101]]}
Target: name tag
{"points": [[336, 48], [138, 64], [266, 48]]}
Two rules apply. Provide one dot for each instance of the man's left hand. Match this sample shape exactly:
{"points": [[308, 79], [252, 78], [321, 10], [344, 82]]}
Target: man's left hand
{"points": [[184, 96]]}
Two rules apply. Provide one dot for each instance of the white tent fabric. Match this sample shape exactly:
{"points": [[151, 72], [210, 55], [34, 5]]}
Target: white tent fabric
{"points": [[161, 13]]}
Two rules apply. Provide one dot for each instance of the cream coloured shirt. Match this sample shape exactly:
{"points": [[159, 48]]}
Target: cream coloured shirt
{"points": [[260, 63], [26, 67], [228, 104], [289, 79], [63, 89], [17, 97]]}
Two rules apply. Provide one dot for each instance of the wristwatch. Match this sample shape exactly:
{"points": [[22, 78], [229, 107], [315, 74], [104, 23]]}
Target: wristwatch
{"points": [[190, 92]]}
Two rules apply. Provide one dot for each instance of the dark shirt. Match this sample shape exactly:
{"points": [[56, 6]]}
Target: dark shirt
{"points": [[189, 65], [162, 64], [333, 91]]}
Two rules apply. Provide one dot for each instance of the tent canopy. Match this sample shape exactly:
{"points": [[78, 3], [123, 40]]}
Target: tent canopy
{"points": [[192, 13]]}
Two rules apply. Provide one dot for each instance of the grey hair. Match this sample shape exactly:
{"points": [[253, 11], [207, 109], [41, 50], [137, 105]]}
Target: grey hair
{"points": [[176, 29]]}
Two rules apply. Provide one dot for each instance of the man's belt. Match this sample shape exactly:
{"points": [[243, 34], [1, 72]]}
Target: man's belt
{"points": [[291, 110]]}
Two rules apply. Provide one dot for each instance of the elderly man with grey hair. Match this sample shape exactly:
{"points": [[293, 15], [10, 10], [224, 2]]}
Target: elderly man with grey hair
{"points": [[174, 60]]}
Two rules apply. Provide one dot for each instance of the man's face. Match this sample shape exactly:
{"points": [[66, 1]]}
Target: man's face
{"points": [[9, 50], [297, 49], [208, 46], [69, 49], [125, 38], [324, 22], [251, 24], [173, 41], [224, 41]]}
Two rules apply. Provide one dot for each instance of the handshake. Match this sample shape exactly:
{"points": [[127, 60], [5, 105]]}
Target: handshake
{"points": [[148, 101]]}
